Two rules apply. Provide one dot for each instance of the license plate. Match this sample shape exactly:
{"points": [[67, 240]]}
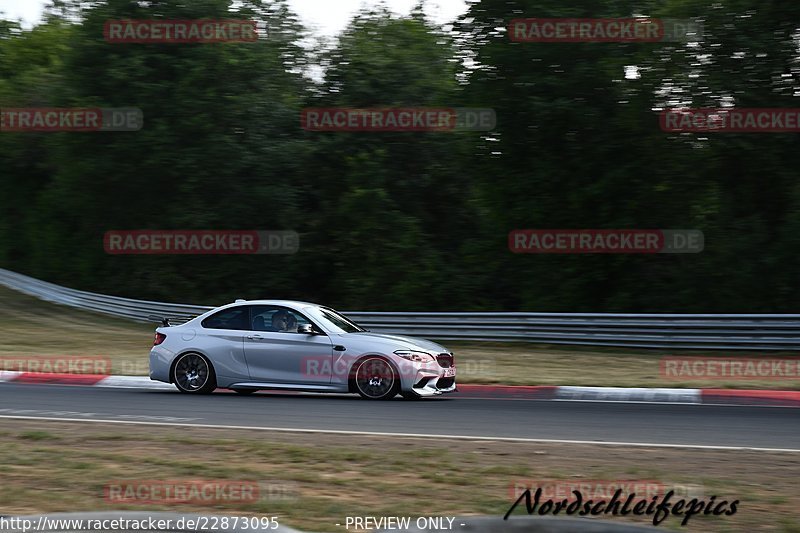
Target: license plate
{"points": [[449, 372]]}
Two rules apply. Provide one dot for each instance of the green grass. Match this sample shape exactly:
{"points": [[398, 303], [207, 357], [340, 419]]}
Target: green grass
{"points": [[357, 476], [37, 435], [31, 327]]}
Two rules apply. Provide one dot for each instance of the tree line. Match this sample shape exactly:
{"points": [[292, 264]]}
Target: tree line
{"points": [[408, 220]]}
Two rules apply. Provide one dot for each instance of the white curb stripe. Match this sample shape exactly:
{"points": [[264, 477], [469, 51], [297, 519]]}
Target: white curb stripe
{"points": [[630, 394], [133, 382], [118, 382]]}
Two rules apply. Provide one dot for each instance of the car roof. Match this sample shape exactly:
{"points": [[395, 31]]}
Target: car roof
{"points": [[284, 303], [296, 304]]}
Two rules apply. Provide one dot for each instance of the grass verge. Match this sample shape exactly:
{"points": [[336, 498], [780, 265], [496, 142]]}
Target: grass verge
{"points": [[61, 466]]}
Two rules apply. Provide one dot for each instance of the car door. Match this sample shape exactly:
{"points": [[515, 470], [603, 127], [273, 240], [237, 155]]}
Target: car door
{"points": [[277, 355], [222, 338]]}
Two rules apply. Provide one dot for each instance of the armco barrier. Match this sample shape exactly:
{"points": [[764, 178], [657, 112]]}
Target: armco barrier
{"points": [[753, 332]]}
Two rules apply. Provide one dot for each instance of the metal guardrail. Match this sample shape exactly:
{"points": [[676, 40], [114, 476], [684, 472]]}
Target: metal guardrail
{"points": [[754, 332], [108, 305]]}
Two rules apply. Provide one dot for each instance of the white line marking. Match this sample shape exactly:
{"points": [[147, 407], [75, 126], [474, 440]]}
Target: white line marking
{"points": [[411, 435]]}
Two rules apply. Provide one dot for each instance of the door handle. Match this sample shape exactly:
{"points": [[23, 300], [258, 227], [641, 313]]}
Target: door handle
{"points": [[254, 337]]}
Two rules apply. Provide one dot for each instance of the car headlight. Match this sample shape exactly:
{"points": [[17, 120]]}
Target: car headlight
{"points": [[417, 357]]}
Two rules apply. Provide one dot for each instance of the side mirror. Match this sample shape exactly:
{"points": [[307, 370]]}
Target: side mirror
{"points": [[306, 329]]}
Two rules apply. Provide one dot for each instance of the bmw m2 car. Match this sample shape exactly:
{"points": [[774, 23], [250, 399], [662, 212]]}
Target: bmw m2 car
{"points": [[288, 345]]}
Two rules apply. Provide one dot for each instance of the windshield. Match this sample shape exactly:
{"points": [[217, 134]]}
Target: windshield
{"points": [[340, 321]]}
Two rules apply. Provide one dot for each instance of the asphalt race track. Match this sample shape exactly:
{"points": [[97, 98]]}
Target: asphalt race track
{"points": [[607, 422]]}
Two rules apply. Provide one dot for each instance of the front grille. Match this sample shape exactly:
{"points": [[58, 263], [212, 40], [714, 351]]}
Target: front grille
{"points": [[445, 360], [445, 383]]}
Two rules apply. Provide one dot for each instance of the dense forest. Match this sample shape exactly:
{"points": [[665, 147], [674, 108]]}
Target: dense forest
{"points": [[409, 220]]}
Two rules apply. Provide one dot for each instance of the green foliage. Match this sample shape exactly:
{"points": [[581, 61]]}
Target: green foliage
{"points": [[407, 220]]}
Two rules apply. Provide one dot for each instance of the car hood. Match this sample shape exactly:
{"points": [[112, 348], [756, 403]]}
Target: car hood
{"points": [[400, 341]]}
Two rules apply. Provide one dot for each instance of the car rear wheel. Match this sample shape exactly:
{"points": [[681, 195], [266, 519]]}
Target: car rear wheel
{"points": [[193, 373], [375, 379]]}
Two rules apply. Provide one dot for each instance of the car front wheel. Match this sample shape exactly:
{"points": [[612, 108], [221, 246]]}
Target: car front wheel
{"points": [[193, 373], [375, 379]]}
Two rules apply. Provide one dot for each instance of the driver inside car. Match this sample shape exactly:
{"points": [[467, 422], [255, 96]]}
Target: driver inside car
{"points": [[280, 320]]}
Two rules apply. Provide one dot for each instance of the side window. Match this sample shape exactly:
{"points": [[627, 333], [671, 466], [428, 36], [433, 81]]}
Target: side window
{"points": [[232, 318], [295, 320], [276, 319]]}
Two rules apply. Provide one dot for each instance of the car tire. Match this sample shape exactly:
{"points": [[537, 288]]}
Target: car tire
{"points": [[193, 373], [244, 392], [374, 378]]}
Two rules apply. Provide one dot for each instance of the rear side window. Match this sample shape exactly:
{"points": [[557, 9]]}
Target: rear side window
{"points": [[232, 318]]}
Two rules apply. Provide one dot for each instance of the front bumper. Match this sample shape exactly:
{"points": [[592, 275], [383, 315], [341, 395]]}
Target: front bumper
{"points": [[435, 386], [432, 381], [430, 378]]}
